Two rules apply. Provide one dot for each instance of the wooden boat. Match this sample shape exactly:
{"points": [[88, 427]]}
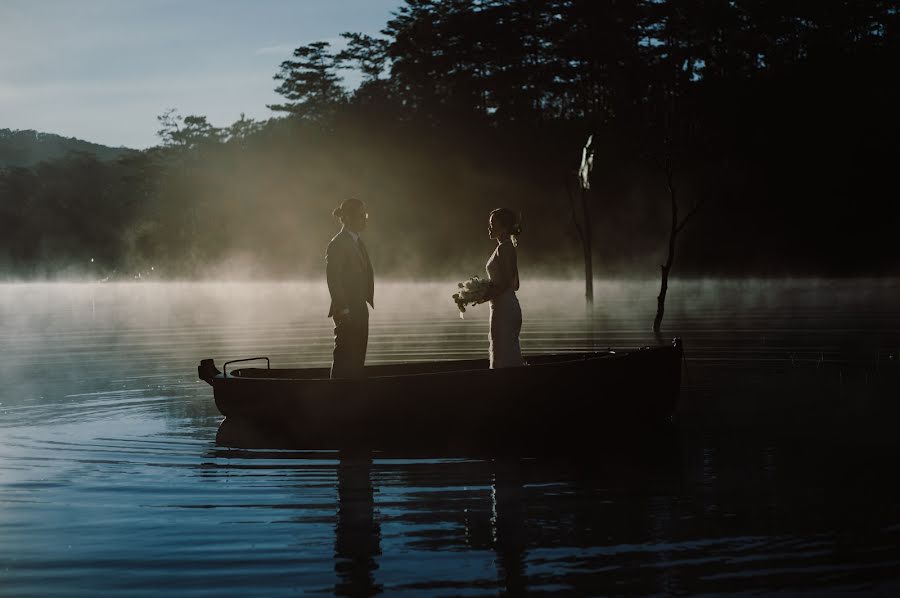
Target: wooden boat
{"points": [[553, 399]]}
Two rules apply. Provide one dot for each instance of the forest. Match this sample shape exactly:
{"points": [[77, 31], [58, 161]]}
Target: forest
{"points": [[777, 121]]}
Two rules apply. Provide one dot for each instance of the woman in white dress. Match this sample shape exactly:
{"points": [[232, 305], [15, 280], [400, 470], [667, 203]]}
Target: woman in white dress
{"points": [[503, 272]]}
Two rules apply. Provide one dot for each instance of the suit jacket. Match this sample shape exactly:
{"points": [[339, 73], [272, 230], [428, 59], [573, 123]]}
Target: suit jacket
{"points": [[348, 269]]}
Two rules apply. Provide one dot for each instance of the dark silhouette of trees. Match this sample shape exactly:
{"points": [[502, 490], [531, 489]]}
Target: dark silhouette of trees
{"points": [[783, 115], [63, 215], [310, 83], [368, 54], [189, 132]]}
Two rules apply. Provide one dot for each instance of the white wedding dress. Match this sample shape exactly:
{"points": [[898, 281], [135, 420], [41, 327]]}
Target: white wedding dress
{"points": [[506, 315]]}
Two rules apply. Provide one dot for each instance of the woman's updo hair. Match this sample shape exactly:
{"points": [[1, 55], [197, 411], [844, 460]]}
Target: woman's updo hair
{"points": [[348, 206], [511, 220]]}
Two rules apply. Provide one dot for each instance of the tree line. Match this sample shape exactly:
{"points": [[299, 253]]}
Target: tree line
{"points": [[779, 118]]}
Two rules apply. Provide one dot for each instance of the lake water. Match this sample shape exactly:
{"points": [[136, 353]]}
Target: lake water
{"points": [[780, 477]]}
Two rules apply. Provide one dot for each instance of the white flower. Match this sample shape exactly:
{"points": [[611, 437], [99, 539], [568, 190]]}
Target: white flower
{"points": [[471, 291]]}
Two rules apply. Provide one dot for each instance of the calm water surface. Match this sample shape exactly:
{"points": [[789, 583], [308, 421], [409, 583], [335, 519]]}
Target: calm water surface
{"points": [[118, 476]]}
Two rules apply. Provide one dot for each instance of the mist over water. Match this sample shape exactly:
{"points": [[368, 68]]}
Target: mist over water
{"points": [[780, 476]]}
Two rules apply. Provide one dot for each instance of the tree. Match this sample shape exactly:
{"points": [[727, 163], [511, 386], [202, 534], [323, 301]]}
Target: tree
{"points": [[368, 55], [585, 171], [242, 130], [310, 83], [187, 132], [677, 224]]}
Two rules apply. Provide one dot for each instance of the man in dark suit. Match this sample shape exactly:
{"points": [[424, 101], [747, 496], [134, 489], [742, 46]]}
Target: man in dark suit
{"points": [[351, 283]]}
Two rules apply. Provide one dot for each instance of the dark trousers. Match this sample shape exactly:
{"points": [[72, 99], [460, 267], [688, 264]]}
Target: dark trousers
{"points": [[351, 337]]}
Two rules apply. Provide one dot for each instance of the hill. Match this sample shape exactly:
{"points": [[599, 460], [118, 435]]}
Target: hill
{"points": [[25, 148]]}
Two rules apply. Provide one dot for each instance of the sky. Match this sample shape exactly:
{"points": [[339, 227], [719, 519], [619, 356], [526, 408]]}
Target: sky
{"points": [[102, 70]]}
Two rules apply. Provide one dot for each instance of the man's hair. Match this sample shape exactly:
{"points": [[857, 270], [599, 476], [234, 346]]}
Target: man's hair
{"points": [[348, 206]]}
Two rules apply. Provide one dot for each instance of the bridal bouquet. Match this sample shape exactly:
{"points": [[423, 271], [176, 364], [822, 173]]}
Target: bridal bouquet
{"points": [[470, 292]]}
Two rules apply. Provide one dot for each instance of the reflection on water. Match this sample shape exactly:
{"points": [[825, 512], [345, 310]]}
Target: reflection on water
{"points": [[118, 476], [357, 534], [683, 519], [508, 516]]}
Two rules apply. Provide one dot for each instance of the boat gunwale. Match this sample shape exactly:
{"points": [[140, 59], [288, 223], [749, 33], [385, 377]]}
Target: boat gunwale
{"points": [[585, 357]]}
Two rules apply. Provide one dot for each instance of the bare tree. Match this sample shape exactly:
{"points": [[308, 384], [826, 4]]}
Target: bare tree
{"points": [[584, 227], [666, 166]]}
